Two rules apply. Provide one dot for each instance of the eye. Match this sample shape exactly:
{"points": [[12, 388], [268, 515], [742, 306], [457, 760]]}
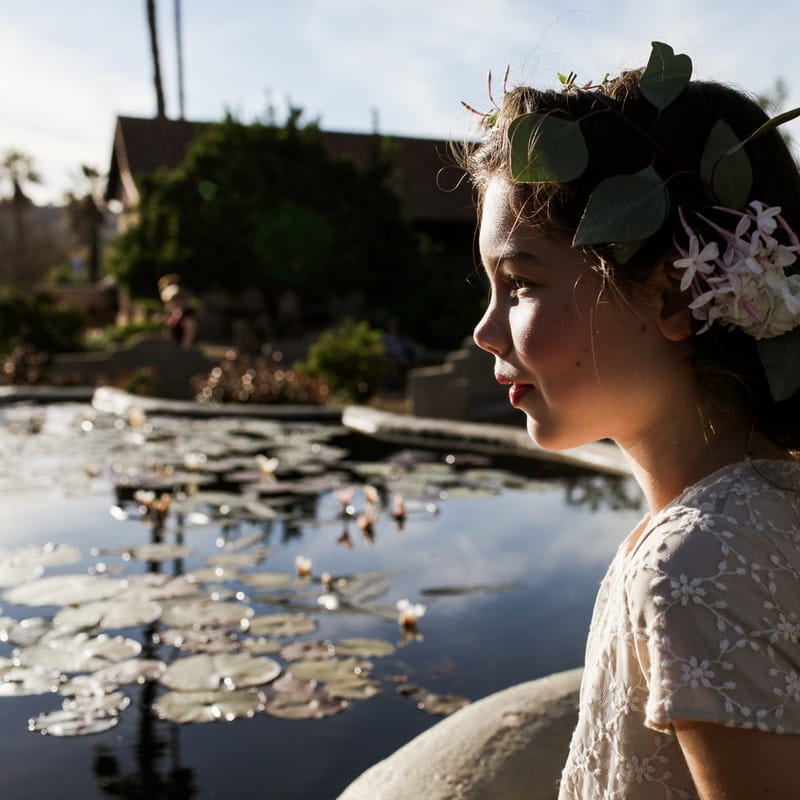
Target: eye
{"points": [[516, 285]]}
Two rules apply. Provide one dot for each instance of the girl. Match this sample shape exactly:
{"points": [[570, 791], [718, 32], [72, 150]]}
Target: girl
{"points": [[639, 240]]}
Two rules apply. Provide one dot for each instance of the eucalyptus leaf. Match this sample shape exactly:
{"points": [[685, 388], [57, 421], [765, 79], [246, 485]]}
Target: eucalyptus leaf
{"points": [[546, 148], [769, 125], [780, 357], [624, 208], [725, 167], [665, 76]]}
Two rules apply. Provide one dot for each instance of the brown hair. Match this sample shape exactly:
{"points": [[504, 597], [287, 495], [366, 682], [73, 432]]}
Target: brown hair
{"points": [[625, 133]]}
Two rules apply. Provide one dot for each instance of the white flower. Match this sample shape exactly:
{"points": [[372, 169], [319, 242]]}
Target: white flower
{"points": [[696, 260], [765, 217], [408, 613]]}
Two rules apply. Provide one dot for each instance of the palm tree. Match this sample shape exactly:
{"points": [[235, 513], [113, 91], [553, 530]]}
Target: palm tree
{"points": [[17, 169], [151, 23], [86, 216]]}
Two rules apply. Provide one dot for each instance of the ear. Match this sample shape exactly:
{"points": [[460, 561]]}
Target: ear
{"points": [[675, 317]]}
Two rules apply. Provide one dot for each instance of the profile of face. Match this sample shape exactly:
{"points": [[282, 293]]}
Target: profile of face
{"points": [[581, 363]]}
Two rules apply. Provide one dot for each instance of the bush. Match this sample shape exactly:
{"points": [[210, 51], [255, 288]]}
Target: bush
{"points": [[241, 379], [352, 359], [120, 334], [35, 321]]}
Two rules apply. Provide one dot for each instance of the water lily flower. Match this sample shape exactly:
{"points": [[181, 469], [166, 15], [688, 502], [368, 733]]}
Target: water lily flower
{"points": [[408, 613], [267, 466], [371, 495], [302, 566]]}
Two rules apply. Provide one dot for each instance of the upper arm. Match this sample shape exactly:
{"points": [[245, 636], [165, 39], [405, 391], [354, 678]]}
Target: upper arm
{"points": [[740, 764]]}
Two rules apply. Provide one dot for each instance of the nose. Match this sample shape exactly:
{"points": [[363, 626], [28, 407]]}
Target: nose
{"points": [[489, 334]]}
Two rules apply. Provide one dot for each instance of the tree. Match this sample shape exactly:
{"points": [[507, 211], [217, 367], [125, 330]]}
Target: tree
{"points": [[17, 169], [265, 206], [159, 87], [85, 212]]}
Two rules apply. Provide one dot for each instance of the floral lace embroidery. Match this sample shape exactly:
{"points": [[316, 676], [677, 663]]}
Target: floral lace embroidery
{"points": [[700, 621]]}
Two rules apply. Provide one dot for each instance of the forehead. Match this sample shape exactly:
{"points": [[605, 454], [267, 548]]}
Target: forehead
{"points": [[498, 221]]}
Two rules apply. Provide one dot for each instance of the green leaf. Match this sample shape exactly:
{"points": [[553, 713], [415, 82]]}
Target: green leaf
{"points": [[774, 122], [665, 76], [780, 357], [725, 167], [546, 148], [624, 208]]}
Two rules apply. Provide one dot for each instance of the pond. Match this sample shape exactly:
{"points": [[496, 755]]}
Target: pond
{"points": [[153, 599]]}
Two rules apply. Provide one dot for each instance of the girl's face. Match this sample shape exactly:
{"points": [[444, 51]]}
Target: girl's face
{"points": [[582, 364]]}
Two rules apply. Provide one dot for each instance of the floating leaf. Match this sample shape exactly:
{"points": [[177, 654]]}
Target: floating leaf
{"points": [[228, 559], [15, 574], [59, 590], [209, 706], [160, 551], [308, 651], [219, 671], [108, 614], [79, 653], [665, 76], [16, 681], [150, 586], [74, 722], [353, 688], [335, 669], [260, 645], [282, 625], [200, 640], [320, 704], [441, 704], [207, 613], [267, 580], [726, 168], [546, 148], [364, 648], [212, 574], [780, 356], [24, 632], [623, 208]]}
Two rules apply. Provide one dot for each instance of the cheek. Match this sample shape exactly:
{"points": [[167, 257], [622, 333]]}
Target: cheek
{"points": [[558, 335]]}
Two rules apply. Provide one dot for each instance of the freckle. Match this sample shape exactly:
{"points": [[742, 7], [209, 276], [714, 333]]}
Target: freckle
{"points": [[577, 363], [644, 327]]}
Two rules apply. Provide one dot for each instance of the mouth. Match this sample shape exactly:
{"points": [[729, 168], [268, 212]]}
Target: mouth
{"points": [[516, 391]]}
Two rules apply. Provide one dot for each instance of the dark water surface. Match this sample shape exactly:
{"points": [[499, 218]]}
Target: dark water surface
{"points": [[507, 564]]}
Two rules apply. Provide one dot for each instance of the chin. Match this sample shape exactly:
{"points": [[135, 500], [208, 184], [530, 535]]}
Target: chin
{"points": [[547, 438]]}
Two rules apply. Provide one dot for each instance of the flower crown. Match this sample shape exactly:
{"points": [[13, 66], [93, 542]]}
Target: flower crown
{"points": [[737, 277]]}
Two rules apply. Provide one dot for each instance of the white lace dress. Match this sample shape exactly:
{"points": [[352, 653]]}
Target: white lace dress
{"points": [[699, 621]]}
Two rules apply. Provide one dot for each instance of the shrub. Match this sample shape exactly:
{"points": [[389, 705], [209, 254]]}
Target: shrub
{"points": [[242, 379], [351, 358], [35, 321]]}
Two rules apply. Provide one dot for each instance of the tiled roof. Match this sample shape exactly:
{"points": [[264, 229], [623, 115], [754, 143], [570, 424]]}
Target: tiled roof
{"points": [[428, 184]]}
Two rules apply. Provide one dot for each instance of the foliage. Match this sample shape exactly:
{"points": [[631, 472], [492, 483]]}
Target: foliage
{"points": [[266, 206], [25, 366], [119, 334], [242, 379], [139, 381], [35, 320], [352, 359]]}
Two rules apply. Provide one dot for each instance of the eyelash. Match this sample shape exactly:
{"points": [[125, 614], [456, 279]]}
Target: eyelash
{"points": [[516, 284]]}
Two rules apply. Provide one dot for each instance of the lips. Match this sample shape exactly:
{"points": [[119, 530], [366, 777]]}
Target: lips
{"points": [[516, 391]]}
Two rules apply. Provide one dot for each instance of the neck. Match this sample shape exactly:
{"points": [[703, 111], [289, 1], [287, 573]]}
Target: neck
{"points": [[685, 447]]}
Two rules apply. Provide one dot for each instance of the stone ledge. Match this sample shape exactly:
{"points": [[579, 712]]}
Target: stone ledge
{"points": [[509, 745]]}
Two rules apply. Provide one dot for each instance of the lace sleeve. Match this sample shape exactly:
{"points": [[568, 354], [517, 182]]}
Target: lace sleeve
{"points": [[714, 601]]}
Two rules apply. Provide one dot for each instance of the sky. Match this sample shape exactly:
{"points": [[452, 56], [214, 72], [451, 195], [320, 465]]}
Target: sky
{"points": [[69, 67]]}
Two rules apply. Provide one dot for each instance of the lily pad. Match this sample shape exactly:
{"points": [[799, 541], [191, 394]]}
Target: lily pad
{"points": [[219, 671], [207, 613], [24, 632], [267, 580], [320, 704], [160, 552], [308, 651], [335, 669], [209, 706], [14, 574], [251, 559], [260, 646], [79, 653], [152, 587], [212, 574], [108, 614], [71, 723], [364, 648], [36, 679], [353, 688], [200, 640], [281, 625], [59, 590]]}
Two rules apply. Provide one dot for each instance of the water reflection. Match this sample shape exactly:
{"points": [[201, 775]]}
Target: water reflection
{"points": [[499, 550]]}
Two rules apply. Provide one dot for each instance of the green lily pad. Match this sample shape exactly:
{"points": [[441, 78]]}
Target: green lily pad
{"points": [[207, 613], [200, 640], [260, 645], [353, 688], [15, 574], [320, 704], [307, 651], [335, 669], [158, 552], [267, 580], [79, 653], [251, 559], [59, 590], [23, 632], [108, 614], [364, 648], [219, 706], [17, 681], [212, 574], [282, 625], [219, 671]]}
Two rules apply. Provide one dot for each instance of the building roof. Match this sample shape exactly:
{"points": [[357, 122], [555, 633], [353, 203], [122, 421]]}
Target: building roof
{"points": [[429, 186]]}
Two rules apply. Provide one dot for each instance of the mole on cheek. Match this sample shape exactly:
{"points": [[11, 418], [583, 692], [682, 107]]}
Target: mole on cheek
{"points": [[577, 363]]}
